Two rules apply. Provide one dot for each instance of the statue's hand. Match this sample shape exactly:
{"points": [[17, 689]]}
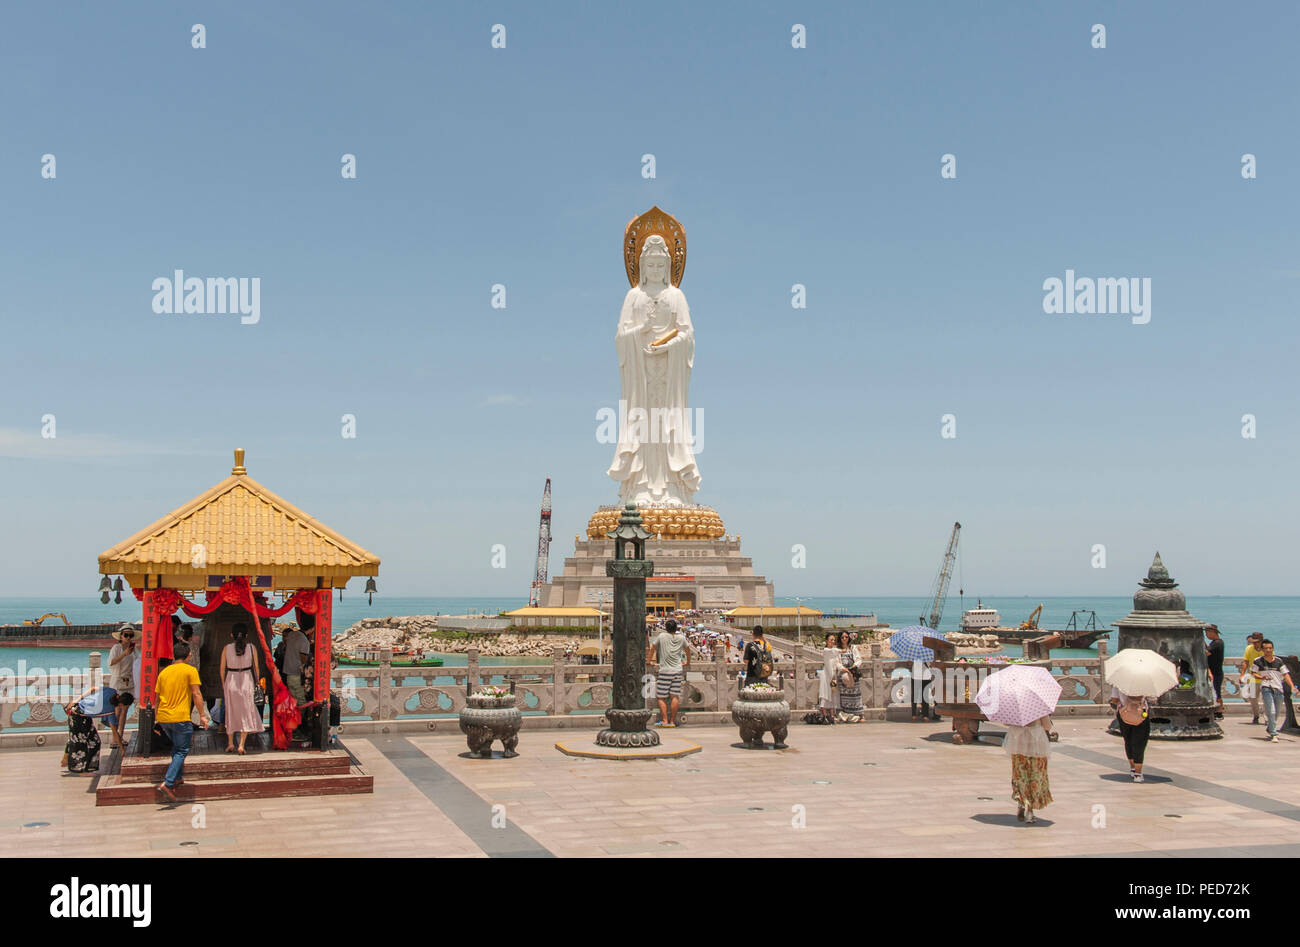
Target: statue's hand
{"points": [[656, 350]]}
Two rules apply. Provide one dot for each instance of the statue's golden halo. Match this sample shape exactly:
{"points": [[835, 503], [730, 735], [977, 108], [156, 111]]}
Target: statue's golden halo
{"points": [[654, 221]]}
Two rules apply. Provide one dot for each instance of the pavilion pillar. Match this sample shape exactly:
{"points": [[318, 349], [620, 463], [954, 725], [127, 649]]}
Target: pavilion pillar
{"points": [[321, 674], [153, 625]]}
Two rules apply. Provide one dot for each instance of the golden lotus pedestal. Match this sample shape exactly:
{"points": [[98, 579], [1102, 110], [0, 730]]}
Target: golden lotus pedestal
{"points": [[665, 522]]}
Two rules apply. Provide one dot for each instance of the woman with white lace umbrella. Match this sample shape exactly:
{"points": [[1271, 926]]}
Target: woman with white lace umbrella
{"points": [[1136, 674], [1022, 698]]}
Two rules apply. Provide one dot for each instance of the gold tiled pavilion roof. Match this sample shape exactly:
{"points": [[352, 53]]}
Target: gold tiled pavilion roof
{"points": [[243, 529]]}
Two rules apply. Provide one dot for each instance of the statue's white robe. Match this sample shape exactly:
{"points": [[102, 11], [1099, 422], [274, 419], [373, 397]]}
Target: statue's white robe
{"points": [[654, 461]]}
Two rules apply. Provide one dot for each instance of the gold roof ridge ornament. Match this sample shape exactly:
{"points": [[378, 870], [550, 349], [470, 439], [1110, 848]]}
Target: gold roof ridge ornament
{"points": [[239, 469], [654, 221]]}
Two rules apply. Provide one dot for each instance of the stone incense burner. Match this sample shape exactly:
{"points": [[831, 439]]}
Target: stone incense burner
{"points": [[759, 710], [487, 718]]}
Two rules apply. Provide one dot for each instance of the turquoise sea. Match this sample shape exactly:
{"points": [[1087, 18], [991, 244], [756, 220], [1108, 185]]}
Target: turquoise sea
{"points": [[1236, 616]]}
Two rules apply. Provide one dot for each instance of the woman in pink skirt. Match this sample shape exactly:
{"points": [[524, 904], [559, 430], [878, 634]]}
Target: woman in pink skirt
{"points": [[239, 669]]}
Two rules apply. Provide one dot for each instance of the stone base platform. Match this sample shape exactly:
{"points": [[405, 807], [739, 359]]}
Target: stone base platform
{"points": [[669, 748], [211, 773], [689, 573]]}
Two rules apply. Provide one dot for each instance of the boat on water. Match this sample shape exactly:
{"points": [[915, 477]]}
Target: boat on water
{"points": [[987, 621], [370, 657], [36, 633]]}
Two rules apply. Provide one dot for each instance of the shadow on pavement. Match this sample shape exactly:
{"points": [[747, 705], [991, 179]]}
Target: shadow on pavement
{"points": [[1009, 818]]}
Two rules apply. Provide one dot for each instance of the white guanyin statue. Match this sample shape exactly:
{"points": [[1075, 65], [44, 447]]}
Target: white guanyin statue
{"points": [[654, 462]]}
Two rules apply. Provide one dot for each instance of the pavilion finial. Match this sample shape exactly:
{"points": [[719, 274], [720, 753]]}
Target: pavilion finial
{"points": [[239, 469], [1158, 576]]}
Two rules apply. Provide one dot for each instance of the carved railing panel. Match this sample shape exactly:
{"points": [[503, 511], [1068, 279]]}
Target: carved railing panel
{"points": [[591, 695], [434, 700]]}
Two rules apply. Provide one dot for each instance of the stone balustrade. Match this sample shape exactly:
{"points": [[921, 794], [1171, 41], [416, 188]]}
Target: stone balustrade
{"points": [[385, 693]]}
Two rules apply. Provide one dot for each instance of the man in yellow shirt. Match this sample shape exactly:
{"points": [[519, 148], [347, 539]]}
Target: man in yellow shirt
{"points": [[1253, 650], [178, 693]]}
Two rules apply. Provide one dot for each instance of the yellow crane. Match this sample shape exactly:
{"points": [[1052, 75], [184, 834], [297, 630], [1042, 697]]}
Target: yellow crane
{"points": [[1031, 623], [37, 621]]}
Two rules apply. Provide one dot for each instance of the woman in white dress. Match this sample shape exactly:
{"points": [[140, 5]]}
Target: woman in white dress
{"points": [[830, 668]]}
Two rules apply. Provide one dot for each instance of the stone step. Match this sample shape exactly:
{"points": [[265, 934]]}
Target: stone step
{"points": [[135, 769], [113, 792]]}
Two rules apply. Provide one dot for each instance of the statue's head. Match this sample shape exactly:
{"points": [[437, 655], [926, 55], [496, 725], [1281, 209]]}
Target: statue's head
{"points": [[656, 261]]}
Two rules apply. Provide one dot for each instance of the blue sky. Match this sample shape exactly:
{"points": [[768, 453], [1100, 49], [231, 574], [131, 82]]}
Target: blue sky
{"points": [[521, 166]]}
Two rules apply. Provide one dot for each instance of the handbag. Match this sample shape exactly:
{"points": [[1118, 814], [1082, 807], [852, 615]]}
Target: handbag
{"points": [[1131, 709], [259, 696]]}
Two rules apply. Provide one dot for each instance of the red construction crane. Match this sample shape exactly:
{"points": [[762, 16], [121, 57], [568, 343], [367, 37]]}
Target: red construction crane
{"points": [[543, 549]]}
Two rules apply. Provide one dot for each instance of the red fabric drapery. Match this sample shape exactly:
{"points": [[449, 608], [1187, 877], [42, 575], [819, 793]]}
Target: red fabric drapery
{"points": [[235, 592], [285, 715]]}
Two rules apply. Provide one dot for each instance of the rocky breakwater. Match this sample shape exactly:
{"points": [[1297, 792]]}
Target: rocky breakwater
{"points": [[421, 632]]}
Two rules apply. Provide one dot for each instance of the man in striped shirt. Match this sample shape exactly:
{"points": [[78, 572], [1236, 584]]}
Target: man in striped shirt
{"points": [[1273, 672]]}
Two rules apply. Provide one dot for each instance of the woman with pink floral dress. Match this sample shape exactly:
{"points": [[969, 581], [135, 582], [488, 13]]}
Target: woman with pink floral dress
{"points": [[239, 670], [1028, 748]]}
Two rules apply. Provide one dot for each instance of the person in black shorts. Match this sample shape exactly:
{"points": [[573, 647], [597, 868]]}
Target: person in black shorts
{"points": [[1214, 658]]}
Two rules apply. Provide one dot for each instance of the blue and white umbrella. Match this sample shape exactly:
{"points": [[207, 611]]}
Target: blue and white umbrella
{"points": [[906, 642]]}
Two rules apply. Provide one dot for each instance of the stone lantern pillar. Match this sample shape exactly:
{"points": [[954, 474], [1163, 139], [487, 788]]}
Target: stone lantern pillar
{"points": [[629, 568], [1160, 622]]}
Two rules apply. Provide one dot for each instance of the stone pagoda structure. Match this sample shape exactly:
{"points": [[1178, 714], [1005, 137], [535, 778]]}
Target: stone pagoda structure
{"points": [[1160, 622]]}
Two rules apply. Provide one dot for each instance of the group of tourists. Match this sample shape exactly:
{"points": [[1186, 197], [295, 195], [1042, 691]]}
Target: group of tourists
{"points": [[109, 704], [237, 708], [1263, 676], [841, 675]]}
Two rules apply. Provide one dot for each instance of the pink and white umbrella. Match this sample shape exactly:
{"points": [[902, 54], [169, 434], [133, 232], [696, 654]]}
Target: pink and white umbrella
{"points": [[1018, 695]]}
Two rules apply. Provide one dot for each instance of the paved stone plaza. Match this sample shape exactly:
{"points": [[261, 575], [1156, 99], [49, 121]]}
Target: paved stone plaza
{"points": [[880, 790]]}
